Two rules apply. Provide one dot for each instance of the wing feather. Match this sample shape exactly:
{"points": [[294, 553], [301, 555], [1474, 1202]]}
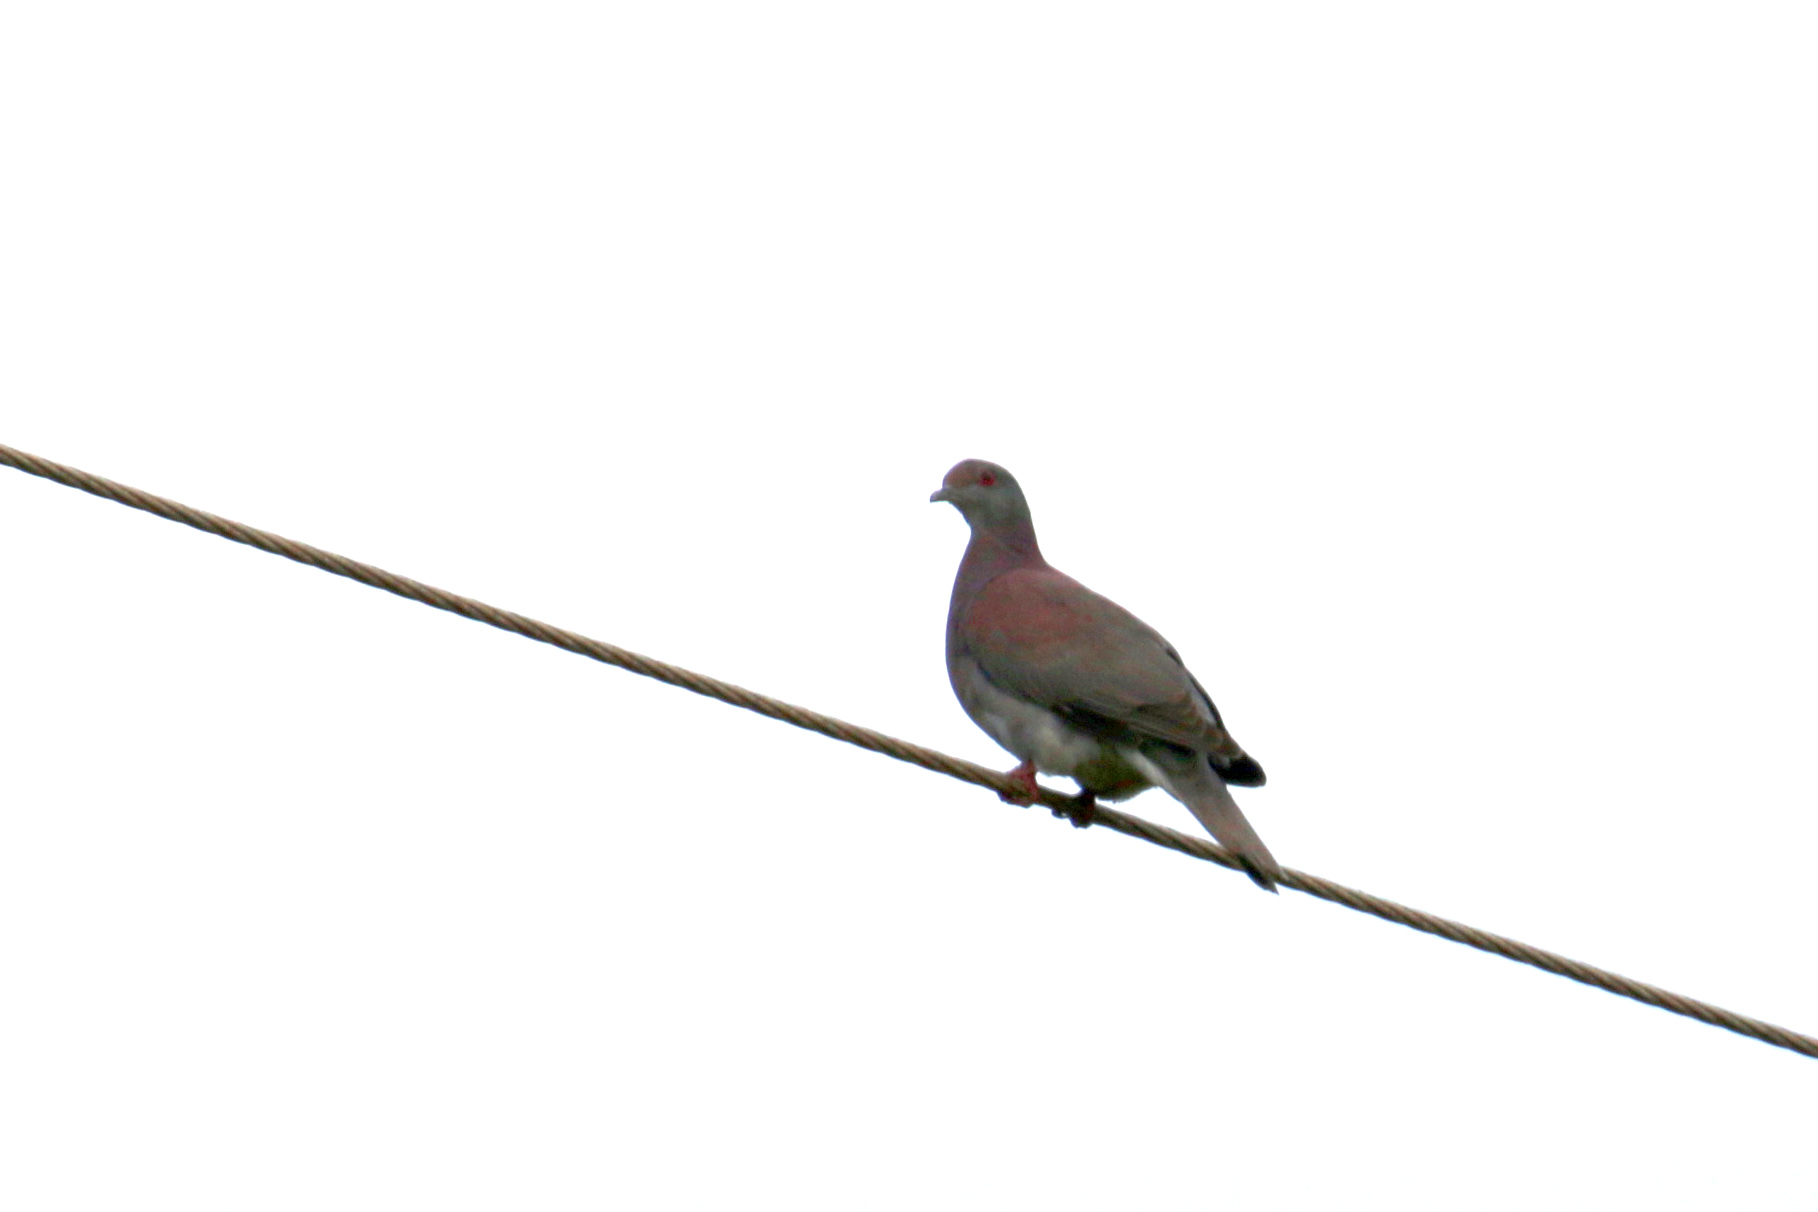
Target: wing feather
{"points": [[1042, 635]]}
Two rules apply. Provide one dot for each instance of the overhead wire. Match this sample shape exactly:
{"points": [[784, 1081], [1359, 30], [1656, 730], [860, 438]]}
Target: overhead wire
{"points": [[866, 738]]}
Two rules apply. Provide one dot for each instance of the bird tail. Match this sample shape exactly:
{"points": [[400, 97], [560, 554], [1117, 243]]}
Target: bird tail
{"points": [[1199, 787]]}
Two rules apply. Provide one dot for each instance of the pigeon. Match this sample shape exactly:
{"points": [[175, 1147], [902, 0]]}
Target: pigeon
{"points": [[1075, 685]]}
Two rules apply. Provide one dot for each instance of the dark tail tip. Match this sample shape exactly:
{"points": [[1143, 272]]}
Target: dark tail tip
{"points": [[1259, 876]]}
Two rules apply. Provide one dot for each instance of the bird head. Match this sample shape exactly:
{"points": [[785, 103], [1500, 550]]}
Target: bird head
{"points": [[984, 493]]}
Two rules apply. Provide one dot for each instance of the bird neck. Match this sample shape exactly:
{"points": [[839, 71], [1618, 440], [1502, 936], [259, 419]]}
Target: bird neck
{"points": [[995, 550]]}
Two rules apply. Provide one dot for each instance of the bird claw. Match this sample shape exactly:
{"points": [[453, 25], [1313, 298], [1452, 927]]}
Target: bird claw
{"points": [[1082, 810], [1026, 792]]}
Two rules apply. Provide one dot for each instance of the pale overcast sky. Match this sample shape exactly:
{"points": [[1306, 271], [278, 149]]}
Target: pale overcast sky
{"points": [[1439, 378]]}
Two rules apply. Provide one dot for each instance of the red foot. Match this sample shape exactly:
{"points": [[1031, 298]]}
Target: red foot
{"points": [[1024, 778]]}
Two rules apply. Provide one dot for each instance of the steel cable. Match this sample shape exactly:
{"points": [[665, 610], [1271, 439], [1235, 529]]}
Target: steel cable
{"points": [[865, 738]]}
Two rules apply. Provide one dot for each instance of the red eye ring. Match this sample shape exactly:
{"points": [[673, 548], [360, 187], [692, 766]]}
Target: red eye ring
{"points": [[987, 479]]}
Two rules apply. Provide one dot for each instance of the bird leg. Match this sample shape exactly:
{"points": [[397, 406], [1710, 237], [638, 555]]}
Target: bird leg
{"points": [[1026, 791], [1082, 810]]}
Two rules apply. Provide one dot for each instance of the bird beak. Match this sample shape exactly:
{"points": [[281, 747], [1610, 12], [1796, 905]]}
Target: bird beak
{"points": [[940, 494]]}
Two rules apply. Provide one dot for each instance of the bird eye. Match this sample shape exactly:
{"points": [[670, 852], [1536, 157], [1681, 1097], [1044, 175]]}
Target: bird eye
{"points": [[987, 479]]}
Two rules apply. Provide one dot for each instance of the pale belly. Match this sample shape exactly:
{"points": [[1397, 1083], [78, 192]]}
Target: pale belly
{"points": [[1037, 735]]}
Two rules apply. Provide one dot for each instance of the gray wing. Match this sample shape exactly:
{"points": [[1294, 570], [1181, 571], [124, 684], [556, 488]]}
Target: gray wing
{"points": [[1046, 637]]}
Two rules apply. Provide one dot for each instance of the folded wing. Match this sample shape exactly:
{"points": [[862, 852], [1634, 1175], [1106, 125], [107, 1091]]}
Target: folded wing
{"points": [[1042, 635]]}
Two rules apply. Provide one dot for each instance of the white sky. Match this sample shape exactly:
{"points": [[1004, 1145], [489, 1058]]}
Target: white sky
{"points": [[1439, 378]]}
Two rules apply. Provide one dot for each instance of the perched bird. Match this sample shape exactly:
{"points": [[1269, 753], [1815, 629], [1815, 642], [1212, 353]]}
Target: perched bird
{"points": [[1075, 685]]}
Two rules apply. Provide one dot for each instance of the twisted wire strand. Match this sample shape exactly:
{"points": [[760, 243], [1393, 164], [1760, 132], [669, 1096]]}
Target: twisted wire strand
{"points": [[877, 742]]}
